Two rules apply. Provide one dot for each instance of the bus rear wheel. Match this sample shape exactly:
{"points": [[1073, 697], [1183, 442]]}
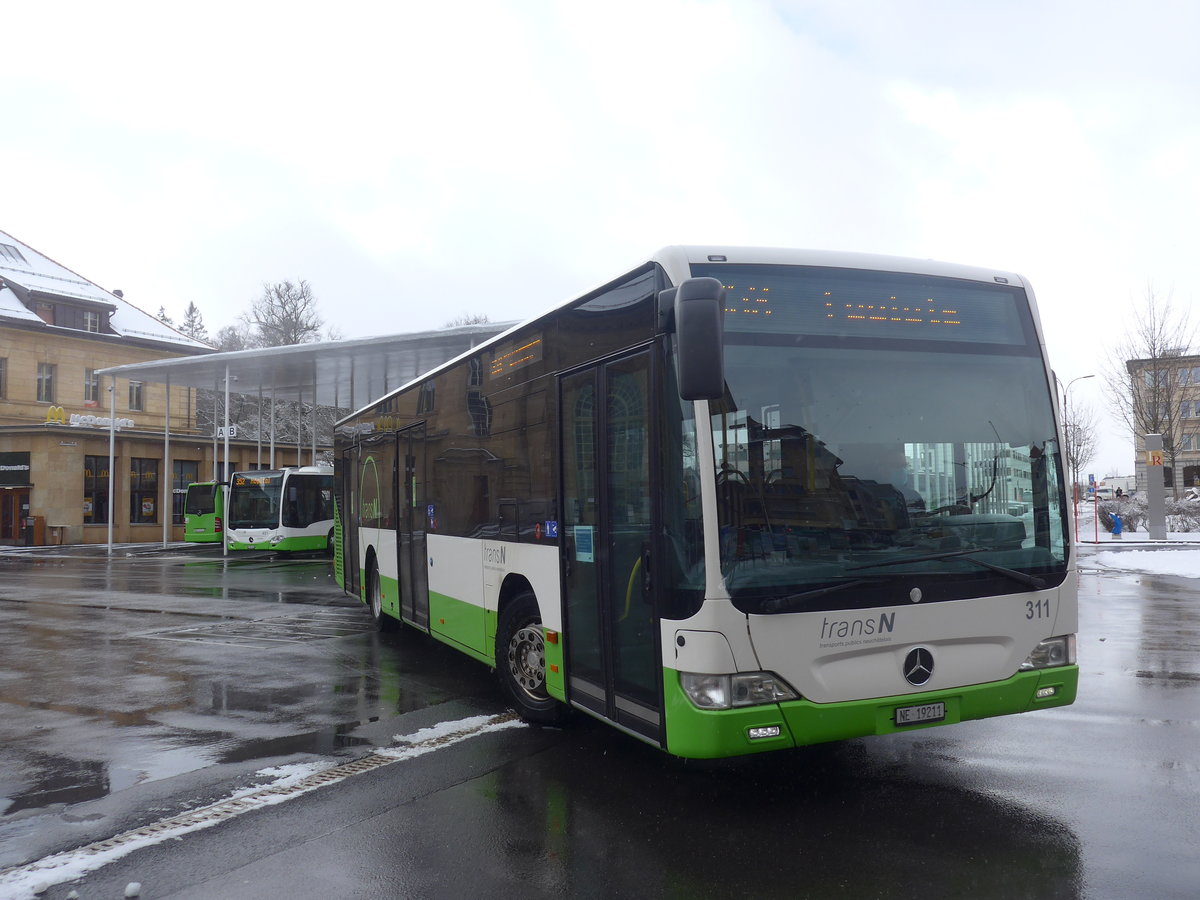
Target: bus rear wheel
{"points": [[382, 620], [521, 661]]}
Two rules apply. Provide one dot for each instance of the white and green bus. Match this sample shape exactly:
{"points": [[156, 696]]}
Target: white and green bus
{"points": [[286, 510], [735, 500]]}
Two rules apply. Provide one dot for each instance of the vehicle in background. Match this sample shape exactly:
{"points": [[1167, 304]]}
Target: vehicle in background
{"points": [[204, 512], [285, 510]]}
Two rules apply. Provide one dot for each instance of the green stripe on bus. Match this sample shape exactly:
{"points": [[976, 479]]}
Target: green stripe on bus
{"points": [[711, 734], [461, 623], [556, 678], [287, 545]]}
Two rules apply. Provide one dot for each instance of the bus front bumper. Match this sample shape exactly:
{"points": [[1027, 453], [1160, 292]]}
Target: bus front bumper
{"points": [[711, 734]]}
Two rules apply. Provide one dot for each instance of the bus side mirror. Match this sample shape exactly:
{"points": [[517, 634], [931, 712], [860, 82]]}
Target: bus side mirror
{"points": [[700, 356]]}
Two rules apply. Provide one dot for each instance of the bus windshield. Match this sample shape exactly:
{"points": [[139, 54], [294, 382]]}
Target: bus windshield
{"points": [[852, 449], [254, 500]]}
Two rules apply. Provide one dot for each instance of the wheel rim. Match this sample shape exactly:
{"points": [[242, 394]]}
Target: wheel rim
{"points": [[527, 661]]}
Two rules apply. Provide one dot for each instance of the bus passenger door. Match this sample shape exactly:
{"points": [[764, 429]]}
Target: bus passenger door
{"points": [[414, 577], [348, 514], [610, 630]]}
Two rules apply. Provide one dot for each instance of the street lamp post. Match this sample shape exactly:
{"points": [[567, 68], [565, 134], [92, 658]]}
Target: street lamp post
{"points": [[1074, 461]]}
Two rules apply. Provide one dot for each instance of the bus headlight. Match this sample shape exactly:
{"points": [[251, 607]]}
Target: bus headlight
{"points": [[1055, 651], [729, 691]]}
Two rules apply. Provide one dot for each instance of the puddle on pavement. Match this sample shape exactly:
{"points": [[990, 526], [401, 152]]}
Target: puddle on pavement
{"points": [[51, 780]]}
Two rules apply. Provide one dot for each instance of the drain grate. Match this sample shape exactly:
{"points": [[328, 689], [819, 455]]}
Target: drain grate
{"points": [[73, 864]]}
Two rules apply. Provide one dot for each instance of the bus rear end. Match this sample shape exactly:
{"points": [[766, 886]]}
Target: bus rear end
{"points": [[204, 512]]}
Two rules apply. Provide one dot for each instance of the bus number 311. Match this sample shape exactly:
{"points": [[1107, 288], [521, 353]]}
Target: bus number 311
{"points": [[1037, 609]]}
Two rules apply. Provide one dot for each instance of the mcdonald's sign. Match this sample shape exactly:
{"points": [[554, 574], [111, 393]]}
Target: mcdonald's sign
{"points": [[56, 415]]}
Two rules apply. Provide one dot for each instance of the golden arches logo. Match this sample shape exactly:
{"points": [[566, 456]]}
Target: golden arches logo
{"points": [[56, 415]]}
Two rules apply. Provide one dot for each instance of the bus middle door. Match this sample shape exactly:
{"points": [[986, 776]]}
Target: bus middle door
{"points": [[611, 633], [415, 519]]}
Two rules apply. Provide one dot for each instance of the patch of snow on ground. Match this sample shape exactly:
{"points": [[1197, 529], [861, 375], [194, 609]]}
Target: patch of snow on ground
{"points": [[1183, 563]]}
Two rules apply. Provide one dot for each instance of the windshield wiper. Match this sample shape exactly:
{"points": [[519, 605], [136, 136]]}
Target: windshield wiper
{"points": [[1024, 578], [791, 601]]}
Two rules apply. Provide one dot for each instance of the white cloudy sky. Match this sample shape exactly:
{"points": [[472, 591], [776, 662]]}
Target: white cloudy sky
{"points": [[415, 162]]}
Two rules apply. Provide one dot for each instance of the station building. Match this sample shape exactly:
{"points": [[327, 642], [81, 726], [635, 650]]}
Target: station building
{"points": [[75, 358], [57, 329]]}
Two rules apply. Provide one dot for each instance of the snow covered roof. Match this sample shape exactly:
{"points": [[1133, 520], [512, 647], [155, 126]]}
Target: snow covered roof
{"points": [[25, 270]]}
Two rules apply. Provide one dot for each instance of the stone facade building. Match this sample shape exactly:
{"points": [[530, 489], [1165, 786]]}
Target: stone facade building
{"points": [[56, 330]]}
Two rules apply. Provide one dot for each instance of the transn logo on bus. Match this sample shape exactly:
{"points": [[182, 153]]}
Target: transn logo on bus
{"points": [[844, 628]]}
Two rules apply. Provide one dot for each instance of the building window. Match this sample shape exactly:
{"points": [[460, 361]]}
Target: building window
{"points": [[135, 396], [91, 388], [45, 382], [3, 377], [95, 490], [425, 398], [480, 411], [91, 320], [183, 473], [12, 254], [143, 491]]}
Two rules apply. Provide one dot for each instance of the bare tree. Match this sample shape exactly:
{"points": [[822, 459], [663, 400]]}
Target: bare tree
{"points": [[163, 317], [286, 314], [1079, 428], [468, 319], [233, 337], [1142, 375]]}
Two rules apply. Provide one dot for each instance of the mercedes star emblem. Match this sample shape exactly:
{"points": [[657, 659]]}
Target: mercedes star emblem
{"points": [[918, 665]]}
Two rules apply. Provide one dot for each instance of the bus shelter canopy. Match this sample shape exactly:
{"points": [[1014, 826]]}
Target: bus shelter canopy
{"points": [[344, 374]]}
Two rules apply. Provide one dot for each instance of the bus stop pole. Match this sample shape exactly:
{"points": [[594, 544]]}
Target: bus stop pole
{"points": [[168, 483], [225, 470], [112, 456]]}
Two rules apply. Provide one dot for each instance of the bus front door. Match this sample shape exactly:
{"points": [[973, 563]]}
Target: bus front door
{"points": [[610, 631], [348, 514], [414, 518]]}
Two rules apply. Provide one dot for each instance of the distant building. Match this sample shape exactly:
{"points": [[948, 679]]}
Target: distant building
{"points": [[1177, 380], [56, 330]]}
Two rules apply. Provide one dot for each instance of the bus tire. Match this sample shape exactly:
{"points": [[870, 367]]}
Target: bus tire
{"points": [[382, 620], [329, 542], [521, 661]]}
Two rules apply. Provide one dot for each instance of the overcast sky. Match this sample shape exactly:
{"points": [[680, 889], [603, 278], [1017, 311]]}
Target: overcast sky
{"points": [[415, 162]]}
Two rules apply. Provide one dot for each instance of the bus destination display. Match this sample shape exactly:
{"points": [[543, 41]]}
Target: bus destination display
{"points": [[834, 302]]}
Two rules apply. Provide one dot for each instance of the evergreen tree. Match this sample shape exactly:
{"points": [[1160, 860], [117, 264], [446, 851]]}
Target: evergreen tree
{"points": [[193, 324]]}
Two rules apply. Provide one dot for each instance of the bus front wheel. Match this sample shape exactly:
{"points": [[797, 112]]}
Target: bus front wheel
{"points": [[382, 620], [521, 661]]}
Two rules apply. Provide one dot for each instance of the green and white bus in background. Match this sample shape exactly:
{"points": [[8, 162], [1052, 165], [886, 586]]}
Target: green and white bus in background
{"points": [[204, 512], [735, 500], [286, 510]]}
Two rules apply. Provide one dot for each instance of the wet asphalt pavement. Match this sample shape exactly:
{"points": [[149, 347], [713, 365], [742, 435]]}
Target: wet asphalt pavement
{"points": [[138, 688]]}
